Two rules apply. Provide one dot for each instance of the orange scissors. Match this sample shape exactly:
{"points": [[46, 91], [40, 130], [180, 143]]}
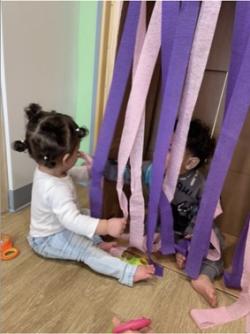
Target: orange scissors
{"points": [[7, 250]]}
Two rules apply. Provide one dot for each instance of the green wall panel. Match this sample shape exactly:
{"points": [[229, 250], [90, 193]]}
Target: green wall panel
{"points": [[87, 29]]}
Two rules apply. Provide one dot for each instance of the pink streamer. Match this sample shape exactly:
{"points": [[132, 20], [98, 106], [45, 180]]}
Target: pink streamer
{"points": [[215, 254], [198, 59], [137, 206], [212, 317], [203, 38], [133, 130]]}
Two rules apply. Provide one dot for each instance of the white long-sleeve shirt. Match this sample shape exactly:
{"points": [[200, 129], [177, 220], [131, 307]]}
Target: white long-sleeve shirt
{"points": [[54, 205]]}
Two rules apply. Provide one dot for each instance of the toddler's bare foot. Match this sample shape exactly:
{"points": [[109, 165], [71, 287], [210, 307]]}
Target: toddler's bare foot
{"points": [[106, 246], [180, 260], [205, 287], [144, 272]]}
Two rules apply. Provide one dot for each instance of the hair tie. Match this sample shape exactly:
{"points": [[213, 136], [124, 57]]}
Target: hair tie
{"points": [[81, 132]]}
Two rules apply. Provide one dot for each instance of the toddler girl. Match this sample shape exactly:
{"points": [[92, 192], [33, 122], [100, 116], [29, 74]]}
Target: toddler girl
{"points": [[58, 229]]}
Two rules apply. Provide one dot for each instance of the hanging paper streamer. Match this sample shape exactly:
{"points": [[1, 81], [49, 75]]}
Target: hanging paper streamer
{"points": [[170, 16], [169, 19], [135, 108], [203, 38], [122, 68], [199, 55], [171, 99], [212, 317], [239, 42], [234, 120], [136, 201]]}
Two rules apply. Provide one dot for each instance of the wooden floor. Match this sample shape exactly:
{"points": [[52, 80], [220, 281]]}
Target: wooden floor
{"points": [[47, 296]]}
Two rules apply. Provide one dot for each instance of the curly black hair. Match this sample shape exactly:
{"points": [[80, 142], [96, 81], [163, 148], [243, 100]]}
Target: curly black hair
{"points": [[199, 142], [49, 135]]}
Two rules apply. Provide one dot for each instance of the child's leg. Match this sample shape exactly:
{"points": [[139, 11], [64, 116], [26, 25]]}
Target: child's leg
{"points": [[204, 283], [204, 286], [70, 246]]}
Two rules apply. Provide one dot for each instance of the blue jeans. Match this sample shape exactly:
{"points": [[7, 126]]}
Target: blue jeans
{"points": [[70, 246]]}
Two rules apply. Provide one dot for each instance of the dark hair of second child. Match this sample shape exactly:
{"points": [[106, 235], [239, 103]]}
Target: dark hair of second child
{"points": [[199, 142]]}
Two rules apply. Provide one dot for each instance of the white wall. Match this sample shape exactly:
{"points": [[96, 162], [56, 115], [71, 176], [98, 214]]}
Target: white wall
{"points": [[40, 57]]}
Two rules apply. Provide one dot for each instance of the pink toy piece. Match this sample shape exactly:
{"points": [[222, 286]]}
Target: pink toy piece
{"points": [[135, 324]]}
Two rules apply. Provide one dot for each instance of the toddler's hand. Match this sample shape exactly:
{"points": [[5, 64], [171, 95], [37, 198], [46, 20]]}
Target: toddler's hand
{"points": [[116, 226], [88, 160]]}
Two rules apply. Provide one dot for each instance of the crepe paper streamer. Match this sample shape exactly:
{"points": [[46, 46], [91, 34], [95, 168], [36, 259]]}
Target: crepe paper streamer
{"points": [[232, 125], [137, 211], [133, 117], [203, 38], [183, 247], [215, 254], [239, 42], [122, 68], [211, 317], [170, 15], [171, 100]]}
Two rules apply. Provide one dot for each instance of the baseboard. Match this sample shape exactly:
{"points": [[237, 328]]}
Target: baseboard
{"points": [[19, 198]]}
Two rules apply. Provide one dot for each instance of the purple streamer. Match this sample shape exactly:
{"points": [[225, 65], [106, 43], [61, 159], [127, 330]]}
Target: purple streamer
{"points": [[171, 100], [236, 114], [122, 69]]}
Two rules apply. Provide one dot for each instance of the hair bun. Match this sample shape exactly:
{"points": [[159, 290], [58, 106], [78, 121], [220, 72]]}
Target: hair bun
{"points": [[82, 132], [19, 146], [33, 111]]}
